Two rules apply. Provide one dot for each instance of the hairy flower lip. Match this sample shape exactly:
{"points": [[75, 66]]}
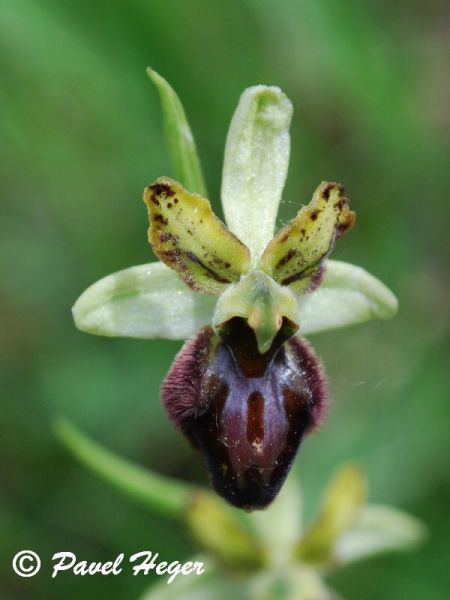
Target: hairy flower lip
{"points": [[247, 419]]}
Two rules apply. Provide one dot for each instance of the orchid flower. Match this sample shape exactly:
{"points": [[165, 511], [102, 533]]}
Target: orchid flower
{"points": [[246, 387]]}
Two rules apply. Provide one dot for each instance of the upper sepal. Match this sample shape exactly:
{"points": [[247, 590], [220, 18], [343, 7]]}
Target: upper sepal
{"points": [[187, 236], [295, 256], [255, 165]]}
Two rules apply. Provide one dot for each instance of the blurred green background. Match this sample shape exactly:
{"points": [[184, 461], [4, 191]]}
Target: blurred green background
{"points": [[81, 136]]}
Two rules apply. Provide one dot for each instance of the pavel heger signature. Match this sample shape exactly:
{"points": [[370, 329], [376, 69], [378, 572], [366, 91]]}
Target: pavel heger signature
{"points": [[143, 562]]}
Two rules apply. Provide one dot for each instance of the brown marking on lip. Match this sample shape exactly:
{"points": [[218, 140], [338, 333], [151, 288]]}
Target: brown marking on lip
{"points": [[240, 338], [255, 419], [314, 215]]}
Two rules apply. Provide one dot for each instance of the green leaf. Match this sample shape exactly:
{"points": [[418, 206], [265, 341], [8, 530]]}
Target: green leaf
{"points": [[379, 529], [179, 138], [255, 165], [347, 295], [161, 494], [147, 301], [187, 236], [295, 256]]}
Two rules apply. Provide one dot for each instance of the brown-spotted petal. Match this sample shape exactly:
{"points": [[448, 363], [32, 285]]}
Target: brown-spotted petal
{"points": [[187, 236], [296, 254]]}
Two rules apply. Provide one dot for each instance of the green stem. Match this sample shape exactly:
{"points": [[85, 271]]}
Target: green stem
{"points": [[165, 495]]}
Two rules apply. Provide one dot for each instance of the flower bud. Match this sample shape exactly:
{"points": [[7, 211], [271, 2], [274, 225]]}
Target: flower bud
{"points": [[246, 412]]}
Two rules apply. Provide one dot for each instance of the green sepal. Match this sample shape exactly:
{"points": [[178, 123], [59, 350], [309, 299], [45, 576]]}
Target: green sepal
{"points": [[255, 165], [347, 295], [377, 530], [146, 301]]}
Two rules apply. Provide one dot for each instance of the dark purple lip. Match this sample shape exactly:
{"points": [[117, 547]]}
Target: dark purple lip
{"points": [[246, 412]]}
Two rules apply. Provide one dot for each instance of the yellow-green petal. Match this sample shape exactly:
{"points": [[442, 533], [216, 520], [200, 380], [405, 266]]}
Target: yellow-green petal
{"points": [[340, 508], [296, 254], [187, 236], [219, 529]]}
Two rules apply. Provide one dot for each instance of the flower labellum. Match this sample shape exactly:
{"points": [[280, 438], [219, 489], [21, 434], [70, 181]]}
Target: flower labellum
{"points": [[245, 388], [246, 412]]}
